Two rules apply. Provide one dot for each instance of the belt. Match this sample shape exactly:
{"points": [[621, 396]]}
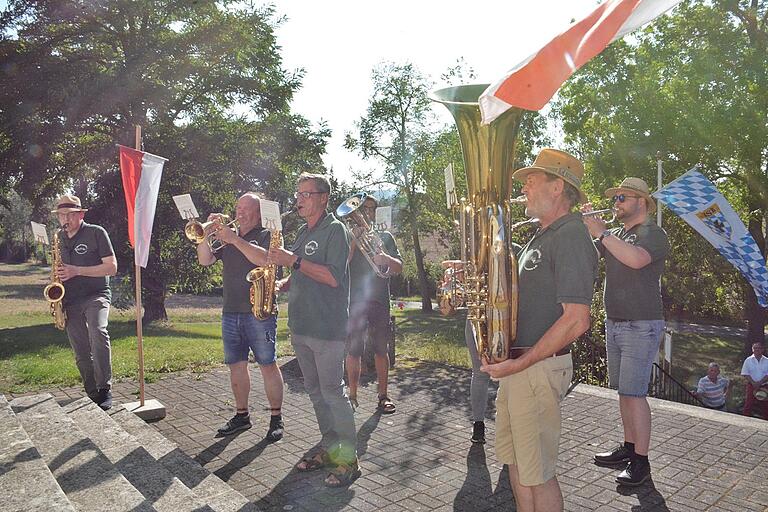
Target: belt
{"points": [[515, 352]]}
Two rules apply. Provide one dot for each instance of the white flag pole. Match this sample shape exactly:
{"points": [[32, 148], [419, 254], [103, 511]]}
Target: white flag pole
{"points": [[659, 173], [140, 340]]}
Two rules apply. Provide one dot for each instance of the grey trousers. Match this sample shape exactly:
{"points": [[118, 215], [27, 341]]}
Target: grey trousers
{"points": [[322, 364], [478, 386], [88, 336]]}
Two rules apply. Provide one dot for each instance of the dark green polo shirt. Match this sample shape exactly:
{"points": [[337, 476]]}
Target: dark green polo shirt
{"points": [[364, 284], [237, 291], [86, 249], [635, 294], [316, 309], [558, 266]]}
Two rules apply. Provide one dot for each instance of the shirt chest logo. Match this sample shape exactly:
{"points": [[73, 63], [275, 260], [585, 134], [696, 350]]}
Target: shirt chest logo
{"points": [[81, 249], [631, 239], [254, 243], [532, 260], [310, 247]]}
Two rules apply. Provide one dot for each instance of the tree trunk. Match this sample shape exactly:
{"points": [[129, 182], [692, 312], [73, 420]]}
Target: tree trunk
{"points": [[426, 299], [153, 299], [756, 315]]}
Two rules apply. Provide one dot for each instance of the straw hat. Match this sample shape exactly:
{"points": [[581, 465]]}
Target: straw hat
{"points": [[637, 186], [558, 163], [67, 204]]}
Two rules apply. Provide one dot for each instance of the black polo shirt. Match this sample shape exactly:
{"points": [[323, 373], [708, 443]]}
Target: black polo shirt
{"points": [[86, 249]]}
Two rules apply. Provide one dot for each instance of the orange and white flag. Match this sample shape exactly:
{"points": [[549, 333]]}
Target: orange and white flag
{"points": [[533, 82], [141, 173]]}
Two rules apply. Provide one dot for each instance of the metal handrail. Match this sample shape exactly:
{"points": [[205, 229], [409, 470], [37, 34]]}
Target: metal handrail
{"points": [[664, 385]]}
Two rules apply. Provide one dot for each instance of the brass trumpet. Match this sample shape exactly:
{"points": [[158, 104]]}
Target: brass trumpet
{"points": [[195, 230]]}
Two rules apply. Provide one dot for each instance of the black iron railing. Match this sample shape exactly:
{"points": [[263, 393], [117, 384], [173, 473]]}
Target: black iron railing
{"points": [[665, 386]]}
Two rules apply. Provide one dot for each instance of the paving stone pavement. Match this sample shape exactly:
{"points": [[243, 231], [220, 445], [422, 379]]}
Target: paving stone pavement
{"points": [[420, 458]]}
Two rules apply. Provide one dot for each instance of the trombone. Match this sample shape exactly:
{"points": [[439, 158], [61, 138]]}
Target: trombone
{"points": [[195, 230]]}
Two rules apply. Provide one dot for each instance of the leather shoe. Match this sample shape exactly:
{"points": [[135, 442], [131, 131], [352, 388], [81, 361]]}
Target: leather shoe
{"points": [[636, 473], [619, 455]]}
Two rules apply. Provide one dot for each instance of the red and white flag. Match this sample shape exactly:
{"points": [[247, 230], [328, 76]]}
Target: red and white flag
{"points": [[141, 174], [533, 82]]}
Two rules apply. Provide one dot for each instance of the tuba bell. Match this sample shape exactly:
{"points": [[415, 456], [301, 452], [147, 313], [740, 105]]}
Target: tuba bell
{"points": [[485, 219], [362, 231]]}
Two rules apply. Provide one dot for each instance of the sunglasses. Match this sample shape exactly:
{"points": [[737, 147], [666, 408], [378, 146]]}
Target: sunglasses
{"points": [[622, 197]]}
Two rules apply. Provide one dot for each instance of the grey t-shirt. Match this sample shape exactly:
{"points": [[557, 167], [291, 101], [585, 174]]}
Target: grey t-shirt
{"points": [[558, 266], [316, 309], [635, 294], [364, 284], [237, 291], [86, 249]]}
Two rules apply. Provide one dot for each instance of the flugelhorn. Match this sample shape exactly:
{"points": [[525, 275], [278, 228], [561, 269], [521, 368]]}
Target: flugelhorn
{"points": [[195, 230]]}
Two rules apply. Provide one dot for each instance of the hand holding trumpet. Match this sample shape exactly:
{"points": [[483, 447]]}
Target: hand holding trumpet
{"points": [[593, 220]]}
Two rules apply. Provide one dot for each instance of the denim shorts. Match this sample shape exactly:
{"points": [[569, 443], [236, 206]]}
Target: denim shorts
{"points": [[242, 332], [372, 317], [631, 346]]}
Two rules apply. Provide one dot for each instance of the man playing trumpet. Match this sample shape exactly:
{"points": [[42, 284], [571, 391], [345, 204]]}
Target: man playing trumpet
{"points": [[241, 331], [634, 317], [369, 310]]}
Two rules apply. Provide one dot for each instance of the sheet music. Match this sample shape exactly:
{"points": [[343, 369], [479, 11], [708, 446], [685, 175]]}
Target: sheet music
{"points": [[40, 233], [185, 206], [270, 215]]}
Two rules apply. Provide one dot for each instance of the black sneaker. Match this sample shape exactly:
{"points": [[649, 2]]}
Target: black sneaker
{"points": [[619, 455], [636, 473], [236, 424], [276, 428], [478, 432], [104, 399]]}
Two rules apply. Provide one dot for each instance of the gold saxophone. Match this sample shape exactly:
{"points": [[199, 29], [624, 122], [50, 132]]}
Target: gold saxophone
{"points": [[490, 265], [262, 281], [54, 292]]}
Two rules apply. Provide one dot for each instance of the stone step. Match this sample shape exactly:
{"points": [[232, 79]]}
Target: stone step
{"points": [[87, 477], [26, 483], [208, 487], [147, 475]]}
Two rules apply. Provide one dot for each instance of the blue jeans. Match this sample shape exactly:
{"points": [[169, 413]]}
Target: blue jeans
{"points": [[631, 346], [242, 332]]}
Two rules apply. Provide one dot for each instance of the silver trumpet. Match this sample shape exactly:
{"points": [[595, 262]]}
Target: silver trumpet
{"points": [[602, 213]]}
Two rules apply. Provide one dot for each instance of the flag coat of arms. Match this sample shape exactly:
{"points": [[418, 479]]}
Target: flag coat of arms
{"points": [[141, 173], [531, 83], [698, 202]]}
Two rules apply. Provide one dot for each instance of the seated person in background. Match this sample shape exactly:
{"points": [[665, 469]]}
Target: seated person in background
{"points": [[713, 389], [755, 372]]}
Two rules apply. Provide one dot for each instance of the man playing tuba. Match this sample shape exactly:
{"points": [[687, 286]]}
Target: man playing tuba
{"points": [[87, 261], [241, 331], [369, 309], [557, 270]]}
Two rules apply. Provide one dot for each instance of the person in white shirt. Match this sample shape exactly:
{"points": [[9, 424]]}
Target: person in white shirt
{"points": [[755, 372]]}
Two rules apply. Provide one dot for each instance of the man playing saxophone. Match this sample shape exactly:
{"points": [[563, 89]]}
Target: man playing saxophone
{"points": [[557, 270], [369, 310], [241, 331], [87, 261]]}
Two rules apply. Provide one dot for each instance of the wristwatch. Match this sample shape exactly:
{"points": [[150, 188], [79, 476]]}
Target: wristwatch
{"points": [[605, 233], [296, 264]]}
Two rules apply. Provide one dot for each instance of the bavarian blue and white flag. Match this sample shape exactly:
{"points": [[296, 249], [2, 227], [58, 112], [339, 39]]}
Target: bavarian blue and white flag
{"points": [[696, 200]]}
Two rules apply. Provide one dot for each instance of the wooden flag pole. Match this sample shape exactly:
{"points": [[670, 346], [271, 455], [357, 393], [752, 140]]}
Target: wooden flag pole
{"points": [[138, 300]]}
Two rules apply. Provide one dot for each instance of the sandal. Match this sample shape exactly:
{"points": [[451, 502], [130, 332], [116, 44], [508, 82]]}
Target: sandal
{"points": [[313, 462], [343, 475], [353, 402], [386, 406]]}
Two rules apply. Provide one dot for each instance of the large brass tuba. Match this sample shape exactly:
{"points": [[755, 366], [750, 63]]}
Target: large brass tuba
{"points": [[361, 229], [54, 292], [490, 265]]}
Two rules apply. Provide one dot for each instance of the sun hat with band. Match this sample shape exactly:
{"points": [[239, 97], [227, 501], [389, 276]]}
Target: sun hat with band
{"points": [[633, 186], [558, 163], [68, 204]]}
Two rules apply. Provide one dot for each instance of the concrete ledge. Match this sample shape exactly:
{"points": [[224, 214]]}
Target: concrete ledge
{"points": [[690, 410], [152, 410]]}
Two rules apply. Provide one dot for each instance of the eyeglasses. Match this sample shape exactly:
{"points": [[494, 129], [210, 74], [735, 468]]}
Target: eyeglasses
{"points": [[622, 197], [305, 195]]}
